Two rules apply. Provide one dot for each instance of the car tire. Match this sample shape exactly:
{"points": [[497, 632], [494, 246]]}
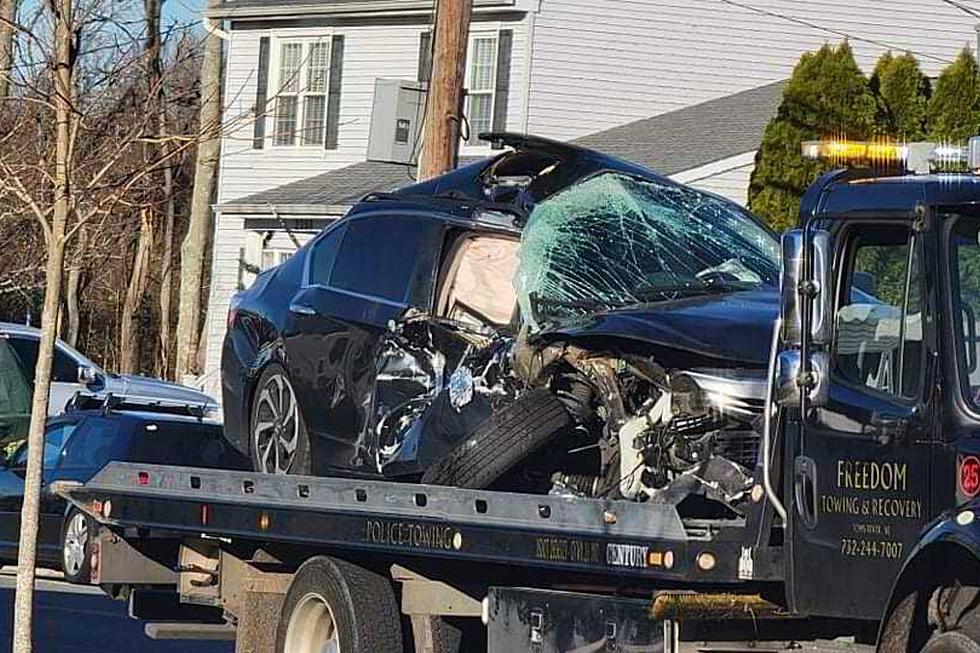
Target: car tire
{"points": [[278, 440], [332, 602], [952, 641], [507, 438], [76, 547]]}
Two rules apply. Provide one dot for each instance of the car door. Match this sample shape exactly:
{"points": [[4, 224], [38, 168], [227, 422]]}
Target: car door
{"points": [[860, 477], [360, 277], [12, 489]]}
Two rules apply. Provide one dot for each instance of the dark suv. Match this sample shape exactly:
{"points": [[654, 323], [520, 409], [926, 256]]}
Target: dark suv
{"points": [[549, 308], [76, 446]]}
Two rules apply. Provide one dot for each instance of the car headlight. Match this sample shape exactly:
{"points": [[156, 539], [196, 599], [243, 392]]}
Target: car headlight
{"points": [[460, 387]]}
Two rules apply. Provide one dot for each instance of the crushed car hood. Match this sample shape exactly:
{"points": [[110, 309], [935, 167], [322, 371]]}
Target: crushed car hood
{"points": [[735, 326]]}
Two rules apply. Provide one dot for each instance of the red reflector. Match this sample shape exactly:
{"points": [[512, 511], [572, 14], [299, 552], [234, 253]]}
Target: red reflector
{"points": [[205, 513], [969, 476], [143, 478]]}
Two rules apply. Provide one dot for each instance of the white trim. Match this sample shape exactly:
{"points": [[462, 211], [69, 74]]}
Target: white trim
{"points": [[275, 86], [718, 167]]}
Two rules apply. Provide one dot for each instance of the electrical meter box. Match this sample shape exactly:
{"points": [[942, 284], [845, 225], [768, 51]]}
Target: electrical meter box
{"points": [[396, 120]]}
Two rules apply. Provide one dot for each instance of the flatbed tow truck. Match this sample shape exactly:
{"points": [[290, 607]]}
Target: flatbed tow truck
{"points": [[861, 526]]}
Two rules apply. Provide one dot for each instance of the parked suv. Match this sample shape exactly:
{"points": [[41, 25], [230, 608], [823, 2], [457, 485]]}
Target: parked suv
{"points": [[70, 372], [551, 319], [76, 446]]}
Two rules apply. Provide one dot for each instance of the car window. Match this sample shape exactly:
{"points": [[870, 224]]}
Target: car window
{"points": [[96, 441], [324, 253], [182, 443], [64, 369], [15, 390], [54, 440], [965, 261], [381, 255], [878, 333]]}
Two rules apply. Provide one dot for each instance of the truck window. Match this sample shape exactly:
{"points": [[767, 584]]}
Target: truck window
{"points": [[878, 326], [965, 262]]}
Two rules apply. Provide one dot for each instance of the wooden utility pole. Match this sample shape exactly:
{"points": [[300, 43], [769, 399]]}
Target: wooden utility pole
{"points": [[193, 250], [440, 140]]}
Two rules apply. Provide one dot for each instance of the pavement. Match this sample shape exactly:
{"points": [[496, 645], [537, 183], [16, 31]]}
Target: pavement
{"points": [[78, 618]]}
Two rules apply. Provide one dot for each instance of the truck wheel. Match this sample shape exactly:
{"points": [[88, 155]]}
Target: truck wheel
{"points": [[76, 549], [500, 443], [335, 606], [279, 442]]}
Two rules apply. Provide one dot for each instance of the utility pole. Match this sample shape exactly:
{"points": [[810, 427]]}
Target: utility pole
{"points": [[440, 141]]}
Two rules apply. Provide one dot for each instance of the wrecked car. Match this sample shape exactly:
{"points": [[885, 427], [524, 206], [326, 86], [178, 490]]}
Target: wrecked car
{"points": [[549, 320]]}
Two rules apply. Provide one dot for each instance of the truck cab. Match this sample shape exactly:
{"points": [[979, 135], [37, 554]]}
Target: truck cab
{"points": [[877, 378]]}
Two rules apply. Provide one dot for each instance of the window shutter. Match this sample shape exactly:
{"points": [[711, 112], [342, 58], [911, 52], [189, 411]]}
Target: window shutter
{"points": [[505, 39], [333, 91], [425, 56], [261, 93]]}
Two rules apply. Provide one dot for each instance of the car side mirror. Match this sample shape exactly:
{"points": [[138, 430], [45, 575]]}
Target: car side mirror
{"points": [[797, 286], [87, 375]]}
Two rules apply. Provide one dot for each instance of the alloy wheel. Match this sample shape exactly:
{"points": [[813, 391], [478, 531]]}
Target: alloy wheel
{"points": [[76, 542], [312, 628], [275, 432]]}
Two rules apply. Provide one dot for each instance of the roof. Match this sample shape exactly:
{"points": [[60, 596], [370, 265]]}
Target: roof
{"points": [[667, 143], [285, 9], [846, 193]]}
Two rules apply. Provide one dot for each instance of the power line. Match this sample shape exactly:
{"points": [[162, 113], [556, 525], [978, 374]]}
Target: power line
{"points": [[830, 30], [961, 7]]}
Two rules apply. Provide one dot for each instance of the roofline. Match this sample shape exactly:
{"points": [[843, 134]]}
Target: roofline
{"points": [[354, 10], [336, 210]]}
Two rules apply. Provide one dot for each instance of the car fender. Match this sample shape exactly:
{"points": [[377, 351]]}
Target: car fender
{"points": [[953, 536]]}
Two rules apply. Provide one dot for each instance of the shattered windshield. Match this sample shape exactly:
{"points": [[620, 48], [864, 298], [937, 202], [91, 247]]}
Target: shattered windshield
{"points": [[615, 240]]}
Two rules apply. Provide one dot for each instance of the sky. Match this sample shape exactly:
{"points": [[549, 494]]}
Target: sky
{"points": [[182, 11]]}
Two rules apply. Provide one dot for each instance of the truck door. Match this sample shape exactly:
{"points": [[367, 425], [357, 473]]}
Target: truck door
{"points": [[860, 471]]}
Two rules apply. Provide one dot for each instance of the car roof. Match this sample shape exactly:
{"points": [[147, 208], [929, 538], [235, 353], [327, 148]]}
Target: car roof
{"points": [[511, 183], [844, 193]]}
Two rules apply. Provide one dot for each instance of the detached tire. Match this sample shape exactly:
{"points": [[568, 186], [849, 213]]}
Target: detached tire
{"points": [[334, 603], [76, 547], [500, 443]]}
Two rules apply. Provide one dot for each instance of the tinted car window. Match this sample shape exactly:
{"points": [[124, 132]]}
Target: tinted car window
{"points": [[379, 254], [182, 443], [323, 254], [64, 368], [96, 441]]}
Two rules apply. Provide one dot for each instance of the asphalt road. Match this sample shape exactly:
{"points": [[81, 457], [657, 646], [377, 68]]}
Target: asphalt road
{"points": [[76, 619]]}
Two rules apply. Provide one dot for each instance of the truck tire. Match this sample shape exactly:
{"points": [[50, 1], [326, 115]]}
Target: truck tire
{"points": [[500, 443], [276, 430], [953, 641], [332, 602]]}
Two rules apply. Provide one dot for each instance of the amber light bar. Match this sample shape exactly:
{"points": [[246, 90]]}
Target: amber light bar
{"points": [[863, 151]]}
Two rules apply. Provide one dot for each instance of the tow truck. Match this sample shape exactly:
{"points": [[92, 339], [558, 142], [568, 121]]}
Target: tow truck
{"points": [[863, 520]]}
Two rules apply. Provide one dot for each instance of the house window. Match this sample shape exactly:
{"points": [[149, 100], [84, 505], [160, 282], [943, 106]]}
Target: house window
{"points": [[481, 74], [273, 257], [303, 70]]}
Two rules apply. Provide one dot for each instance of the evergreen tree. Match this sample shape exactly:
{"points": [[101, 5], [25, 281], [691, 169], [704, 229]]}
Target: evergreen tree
{"points": [[902, 92], [954, 109], [826, 96]]}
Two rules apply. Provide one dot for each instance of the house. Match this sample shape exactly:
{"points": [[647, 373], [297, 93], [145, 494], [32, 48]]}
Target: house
{"points": [[682, 87]]}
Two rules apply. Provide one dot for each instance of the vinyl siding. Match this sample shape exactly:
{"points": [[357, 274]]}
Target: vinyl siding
{"points": [[601, 63], [728, 177], [389, 51]]}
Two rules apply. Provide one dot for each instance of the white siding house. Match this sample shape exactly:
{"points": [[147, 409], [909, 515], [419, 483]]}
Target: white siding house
{"points": [[684, 87]]}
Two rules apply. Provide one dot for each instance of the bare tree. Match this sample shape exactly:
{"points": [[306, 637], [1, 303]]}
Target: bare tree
{"points": [[55, 223], [194, 247], [8, 13]]}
